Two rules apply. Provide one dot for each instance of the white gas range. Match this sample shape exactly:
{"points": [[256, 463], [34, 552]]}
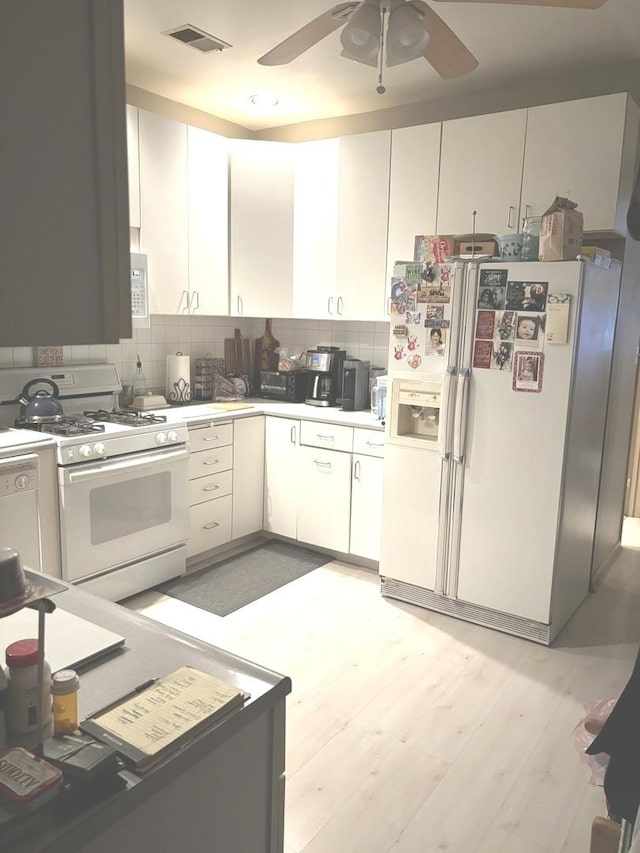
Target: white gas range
{"points": [[122, 480]]}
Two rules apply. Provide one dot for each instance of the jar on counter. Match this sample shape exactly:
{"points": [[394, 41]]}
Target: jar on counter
{"points": [[22, 701], [531, 238], [64, 689]]}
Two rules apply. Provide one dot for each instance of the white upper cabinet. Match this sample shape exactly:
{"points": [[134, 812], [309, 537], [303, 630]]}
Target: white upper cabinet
{"points": [[363, 210], [584, 150], [481, 170], [208, 200], [261, 228], [184, 198], [315, 228], [133, 159], [164, 211], [64, 223], [413, 189]]}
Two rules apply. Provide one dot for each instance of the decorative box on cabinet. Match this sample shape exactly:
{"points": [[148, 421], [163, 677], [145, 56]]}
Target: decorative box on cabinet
{"points": [[64, 220]]}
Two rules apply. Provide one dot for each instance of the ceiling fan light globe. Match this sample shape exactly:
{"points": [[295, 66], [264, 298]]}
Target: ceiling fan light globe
{"points": [[361, 36], [407, 36]]}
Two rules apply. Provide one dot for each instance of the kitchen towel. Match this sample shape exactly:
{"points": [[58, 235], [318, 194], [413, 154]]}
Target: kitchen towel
{"points": [[178, 378]]}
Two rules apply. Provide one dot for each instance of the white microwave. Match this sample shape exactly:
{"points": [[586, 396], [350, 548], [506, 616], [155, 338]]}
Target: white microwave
{"points": [[140, 317]]}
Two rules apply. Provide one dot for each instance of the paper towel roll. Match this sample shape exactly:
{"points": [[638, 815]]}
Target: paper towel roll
{"points": [[178, 378]]}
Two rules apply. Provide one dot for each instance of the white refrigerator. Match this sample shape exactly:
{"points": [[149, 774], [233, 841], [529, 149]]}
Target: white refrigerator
{"points": [[491, 490]]}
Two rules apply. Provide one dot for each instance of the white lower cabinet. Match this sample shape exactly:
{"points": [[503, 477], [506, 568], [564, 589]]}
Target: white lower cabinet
{"points": [[210, 525], [248, 476], [366, 506], [280, 476], [320, 492], [324, 498]]}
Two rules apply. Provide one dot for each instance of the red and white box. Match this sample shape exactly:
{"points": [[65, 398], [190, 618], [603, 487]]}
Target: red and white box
{"points": [[26, 781]]}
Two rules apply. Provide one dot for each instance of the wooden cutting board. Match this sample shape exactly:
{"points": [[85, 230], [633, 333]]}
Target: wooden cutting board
{"points": [[266, 355], [230, 355]]}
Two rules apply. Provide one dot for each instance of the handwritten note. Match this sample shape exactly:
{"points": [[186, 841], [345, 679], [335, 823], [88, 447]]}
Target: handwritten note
{"points": [[170, 708]]}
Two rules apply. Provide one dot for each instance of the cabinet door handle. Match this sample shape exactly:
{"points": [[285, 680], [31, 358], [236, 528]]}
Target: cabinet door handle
{"points": [[186, 302], [212, 462], [526, 211], [340, 305], [239, 304], [293, 435], [210, 488], [330, 305], [210, 525], [356, 470], [388, 306], [325, 437], [321, 464], [195, 298], [509, 216]]}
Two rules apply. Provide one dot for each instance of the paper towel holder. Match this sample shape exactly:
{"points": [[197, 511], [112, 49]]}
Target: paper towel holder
{"points": [[179, 391]]}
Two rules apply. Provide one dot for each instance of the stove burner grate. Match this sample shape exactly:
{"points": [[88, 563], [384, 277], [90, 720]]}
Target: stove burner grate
{"points": [[126, 417], [67, 425]]}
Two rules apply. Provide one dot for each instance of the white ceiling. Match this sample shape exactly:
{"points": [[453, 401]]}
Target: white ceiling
{"points": [[510, 42]]}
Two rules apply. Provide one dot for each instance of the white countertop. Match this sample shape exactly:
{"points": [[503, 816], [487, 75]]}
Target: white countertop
{"points": [[200, 413], [23, 440]]}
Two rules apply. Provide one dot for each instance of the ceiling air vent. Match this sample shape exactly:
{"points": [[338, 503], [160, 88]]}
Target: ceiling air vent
{"points": [[197, 38]]}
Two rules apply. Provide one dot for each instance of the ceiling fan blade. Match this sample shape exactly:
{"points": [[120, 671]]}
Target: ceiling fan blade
{"points": [[310, 34], [563, 4], [445, 52]]}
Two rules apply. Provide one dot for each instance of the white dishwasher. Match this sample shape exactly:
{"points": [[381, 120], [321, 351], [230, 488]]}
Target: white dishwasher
{"points": [[19, 515]]}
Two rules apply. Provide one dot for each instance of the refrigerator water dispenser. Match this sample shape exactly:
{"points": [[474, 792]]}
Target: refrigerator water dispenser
{"points": [[416, 414]]}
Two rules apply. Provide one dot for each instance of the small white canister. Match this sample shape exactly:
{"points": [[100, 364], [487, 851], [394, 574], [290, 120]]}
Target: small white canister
{"points": [[22, 702]]}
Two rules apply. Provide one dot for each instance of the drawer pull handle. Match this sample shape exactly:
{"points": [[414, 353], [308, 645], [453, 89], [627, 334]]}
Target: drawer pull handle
{"points": [[325, 437], [210, 526], [212, 462], [210, 488], [322, 464], [375, 444], [212, 438]]}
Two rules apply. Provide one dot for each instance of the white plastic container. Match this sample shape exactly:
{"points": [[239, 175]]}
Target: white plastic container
{"points": [[22, 701]]}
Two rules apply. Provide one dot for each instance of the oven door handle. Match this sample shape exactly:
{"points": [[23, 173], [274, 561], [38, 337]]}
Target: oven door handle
{"points": [[82, 473]]}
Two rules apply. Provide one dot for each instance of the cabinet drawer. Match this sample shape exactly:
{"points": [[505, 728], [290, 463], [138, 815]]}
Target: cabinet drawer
{"points": [[370, 442], [210, 461], [210, 525], [208, 488], [329, 436], [211, 435]]}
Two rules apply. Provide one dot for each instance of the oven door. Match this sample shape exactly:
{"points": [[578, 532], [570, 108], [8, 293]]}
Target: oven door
{"points": [[119, 511]]}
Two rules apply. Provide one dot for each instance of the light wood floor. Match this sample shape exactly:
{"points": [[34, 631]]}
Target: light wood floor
{"points": [[413, 732]]}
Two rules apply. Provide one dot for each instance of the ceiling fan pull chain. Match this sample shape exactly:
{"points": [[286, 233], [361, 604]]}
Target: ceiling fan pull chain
{"points": [[380, 89]]}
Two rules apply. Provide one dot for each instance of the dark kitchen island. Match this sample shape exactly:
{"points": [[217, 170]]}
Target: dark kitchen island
{"points": [[223, 791]]}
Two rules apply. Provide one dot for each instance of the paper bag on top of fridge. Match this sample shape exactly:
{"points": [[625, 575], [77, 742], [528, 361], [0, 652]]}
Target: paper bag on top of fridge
{"points": [[561, 231]]}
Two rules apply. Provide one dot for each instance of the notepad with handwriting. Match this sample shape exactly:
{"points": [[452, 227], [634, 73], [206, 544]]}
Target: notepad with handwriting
{"points": [[149, 724]]}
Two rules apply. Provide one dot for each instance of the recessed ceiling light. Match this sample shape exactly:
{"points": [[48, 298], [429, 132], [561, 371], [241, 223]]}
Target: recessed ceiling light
{"points": [[264, 100]]}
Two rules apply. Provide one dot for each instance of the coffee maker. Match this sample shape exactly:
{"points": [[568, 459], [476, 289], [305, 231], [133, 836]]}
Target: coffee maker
{"points": [[325, 366]]}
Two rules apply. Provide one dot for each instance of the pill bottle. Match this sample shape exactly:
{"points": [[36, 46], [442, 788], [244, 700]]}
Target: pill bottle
{"points": [[64, 689], [22, 706]]}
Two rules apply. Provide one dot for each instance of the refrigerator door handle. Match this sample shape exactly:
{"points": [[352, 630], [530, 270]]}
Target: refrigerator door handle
{"points": [[446, 439], [460, 431]]}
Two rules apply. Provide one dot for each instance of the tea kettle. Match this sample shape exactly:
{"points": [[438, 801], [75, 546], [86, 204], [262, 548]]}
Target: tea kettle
{"points": [[41, 406]]}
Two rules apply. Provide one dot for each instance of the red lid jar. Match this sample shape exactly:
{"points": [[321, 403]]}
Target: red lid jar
{"points": [[22, 653]]}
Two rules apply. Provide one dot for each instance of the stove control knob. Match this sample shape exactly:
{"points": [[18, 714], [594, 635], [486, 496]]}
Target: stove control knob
{"points": [[85, 451], [99, 449], [22, 481], [172, 435], [161, 438]]}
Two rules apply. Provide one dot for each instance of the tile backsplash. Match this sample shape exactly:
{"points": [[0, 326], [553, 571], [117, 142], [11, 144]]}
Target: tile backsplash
{"points": [[199, 336]]}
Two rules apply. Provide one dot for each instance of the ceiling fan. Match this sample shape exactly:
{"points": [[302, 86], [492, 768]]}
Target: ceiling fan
{"points": [[412, 30]]}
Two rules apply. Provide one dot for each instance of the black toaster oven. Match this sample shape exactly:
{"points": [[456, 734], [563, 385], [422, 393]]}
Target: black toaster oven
{"points": [[280, 385]]}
